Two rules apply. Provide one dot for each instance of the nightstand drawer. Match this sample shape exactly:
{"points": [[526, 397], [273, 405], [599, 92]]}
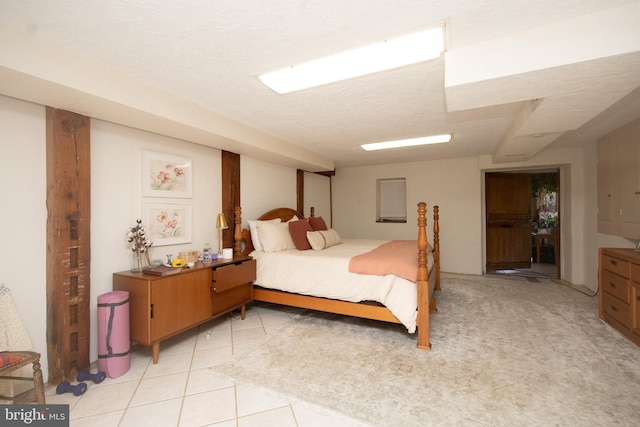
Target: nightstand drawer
{"points": [[233, 275], [615, 285], [616, 309], [618, 266]]}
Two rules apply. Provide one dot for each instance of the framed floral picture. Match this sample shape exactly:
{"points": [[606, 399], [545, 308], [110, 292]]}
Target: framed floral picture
{"points": [[168, 223], [164, 175]]}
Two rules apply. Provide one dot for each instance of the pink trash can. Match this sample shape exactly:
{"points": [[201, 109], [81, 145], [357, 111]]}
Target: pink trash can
{"points": [[114, 346]]}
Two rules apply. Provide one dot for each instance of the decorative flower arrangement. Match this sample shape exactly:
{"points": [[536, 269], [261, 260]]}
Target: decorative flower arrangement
{"points": [[548, 219], [140, 244]]}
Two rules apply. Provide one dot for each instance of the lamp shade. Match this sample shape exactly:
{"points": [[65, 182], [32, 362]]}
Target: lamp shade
{"points": [[221, 222]]}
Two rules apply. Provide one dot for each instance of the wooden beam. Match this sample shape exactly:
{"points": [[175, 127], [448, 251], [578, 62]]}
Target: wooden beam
{"points": [[230, 194], [68, 242], [300, 191]]}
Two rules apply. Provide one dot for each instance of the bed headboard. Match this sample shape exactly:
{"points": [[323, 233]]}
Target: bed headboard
{"points": [[285, 214]]}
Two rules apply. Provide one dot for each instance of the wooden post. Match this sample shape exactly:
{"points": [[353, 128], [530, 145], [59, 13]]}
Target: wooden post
{"points": [[300, 191], [423, 280], [436, 244], [230, 193], [68, 242]]}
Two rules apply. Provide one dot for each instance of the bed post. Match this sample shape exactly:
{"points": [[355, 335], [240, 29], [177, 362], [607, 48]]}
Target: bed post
{"points": [[237, 232], [436, 244], [313, 212], [423, 280]]}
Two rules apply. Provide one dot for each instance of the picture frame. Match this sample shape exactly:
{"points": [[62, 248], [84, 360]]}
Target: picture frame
{"points": [[166, 175], [168, 223]]}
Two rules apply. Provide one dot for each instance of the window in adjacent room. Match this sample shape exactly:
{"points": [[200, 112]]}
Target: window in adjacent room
{"points": [[392, 200]]}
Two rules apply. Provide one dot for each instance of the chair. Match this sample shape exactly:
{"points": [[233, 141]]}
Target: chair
{"points": [[13, 360]]}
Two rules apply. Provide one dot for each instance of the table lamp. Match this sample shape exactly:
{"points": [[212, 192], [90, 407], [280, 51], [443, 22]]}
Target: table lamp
{"points": [[221, 224]]}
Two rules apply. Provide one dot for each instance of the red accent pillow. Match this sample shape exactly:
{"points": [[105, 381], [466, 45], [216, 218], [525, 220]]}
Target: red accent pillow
{"points": [[317, 223], [298, 231]]}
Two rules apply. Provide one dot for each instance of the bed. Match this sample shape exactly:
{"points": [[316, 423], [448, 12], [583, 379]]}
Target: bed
{"points": [[288, 276]]}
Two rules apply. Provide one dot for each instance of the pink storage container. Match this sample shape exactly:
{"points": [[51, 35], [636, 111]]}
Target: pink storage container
{"points": [[114, 346]]}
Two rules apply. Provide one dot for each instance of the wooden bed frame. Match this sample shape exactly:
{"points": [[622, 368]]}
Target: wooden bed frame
{"points": [[426, 299]]}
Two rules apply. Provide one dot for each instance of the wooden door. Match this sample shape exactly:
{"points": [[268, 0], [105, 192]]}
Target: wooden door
{"points": [[179, 302], [508, 206]]}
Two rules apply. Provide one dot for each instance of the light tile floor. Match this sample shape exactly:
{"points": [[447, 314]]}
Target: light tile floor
{"points": [[182, 390]]}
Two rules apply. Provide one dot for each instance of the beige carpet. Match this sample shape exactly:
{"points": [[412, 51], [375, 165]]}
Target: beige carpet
{"points": [[506, 351]]}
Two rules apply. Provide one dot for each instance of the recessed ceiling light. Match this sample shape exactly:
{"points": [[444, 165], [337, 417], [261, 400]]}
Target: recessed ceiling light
{"points": [[435, 139], [391, 53]]}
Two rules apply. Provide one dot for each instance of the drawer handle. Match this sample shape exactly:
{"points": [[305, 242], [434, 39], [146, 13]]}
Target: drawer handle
{"points": [[613, 262], [613, 285], [613, 307]]}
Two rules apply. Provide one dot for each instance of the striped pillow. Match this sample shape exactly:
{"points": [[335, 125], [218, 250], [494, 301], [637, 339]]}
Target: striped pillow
{"points": [[323, 239]]}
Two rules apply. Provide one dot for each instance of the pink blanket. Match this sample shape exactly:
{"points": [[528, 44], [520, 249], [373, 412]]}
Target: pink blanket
{"points": [[399, 257]]}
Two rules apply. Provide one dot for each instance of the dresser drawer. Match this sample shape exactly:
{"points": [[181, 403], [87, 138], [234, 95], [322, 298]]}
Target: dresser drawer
{"points": [[232, 298], [616, 309], [635, 308], [616, 265], [233, 275], [635, 273], [615, 285]]}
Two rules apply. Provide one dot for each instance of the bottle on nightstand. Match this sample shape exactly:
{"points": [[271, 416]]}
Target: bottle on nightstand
{"points": [[206, 253]]}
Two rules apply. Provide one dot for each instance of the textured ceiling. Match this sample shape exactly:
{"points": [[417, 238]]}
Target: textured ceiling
{"points": [[209, 53]]}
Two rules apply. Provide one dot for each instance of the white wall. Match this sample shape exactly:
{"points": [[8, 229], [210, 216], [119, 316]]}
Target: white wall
{"points": [[23, 214], [116, 200], [457, 187], [454, 185], [597, 240], [265, 186], [317, 194]]}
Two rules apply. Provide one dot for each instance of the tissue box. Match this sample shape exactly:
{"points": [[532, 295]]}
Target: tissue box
{"points": [[190, 256], [227, 253]]}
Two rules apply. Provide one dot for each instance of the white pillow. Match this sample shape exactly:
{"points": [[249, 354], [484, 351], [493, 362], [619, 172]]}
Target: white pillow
{"points": [[255, 239], [275, 237], [323, 239]]}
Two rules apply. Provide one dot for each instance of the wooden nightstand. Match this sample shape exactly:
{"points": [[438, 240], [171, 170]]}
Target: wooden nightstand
{"points": [[163, 306]]}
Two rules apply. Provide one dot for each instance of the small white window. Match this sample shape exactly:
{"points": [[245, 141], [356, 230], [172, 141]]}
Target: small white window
{"points": [[392, 200]]}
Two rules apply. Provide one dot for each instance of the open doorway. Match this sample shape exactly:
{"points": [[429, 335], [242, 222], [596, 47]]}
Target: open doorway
{"points": [[523, 223]]}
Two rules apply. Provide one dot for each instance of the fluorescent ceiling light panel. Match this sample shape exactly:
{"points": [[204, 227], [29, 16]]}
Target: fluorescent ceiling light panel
{"points": [[435, 139], [391, 53]]}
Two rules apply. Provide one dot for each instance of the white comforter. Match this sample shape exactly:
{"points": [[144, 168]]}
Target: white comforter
{"points": [[326, 274]]}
